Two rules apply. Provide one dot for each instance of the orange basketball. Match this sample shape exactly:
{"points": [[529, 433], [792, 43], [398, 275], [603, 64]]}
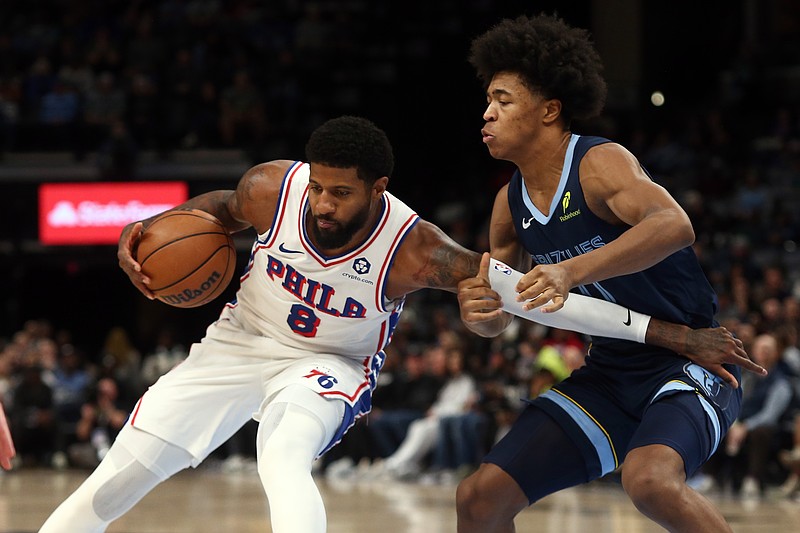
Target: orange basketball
{"points": [[189, 257]]}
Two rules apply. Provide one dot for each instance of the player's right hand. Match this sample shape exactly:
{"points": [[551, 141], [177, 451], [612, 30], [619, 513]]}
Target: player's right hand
{"points": [[127, 243], [477, 300], [713, 347]]}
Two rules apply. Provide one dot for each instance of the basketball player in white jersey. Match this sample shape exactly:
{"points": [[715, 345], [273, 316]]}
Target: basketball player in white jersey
{"points": [[7, 451], [301, 346]]}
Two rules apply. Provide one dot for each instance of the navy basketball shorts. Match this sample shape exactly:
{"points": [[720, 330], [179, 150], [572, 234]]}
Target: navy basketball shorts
{"points": [[549, 449]]}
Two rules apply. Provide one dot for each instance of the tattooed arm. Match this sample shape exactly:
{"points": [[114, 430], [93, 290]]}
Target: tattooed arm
{"points": [[429, 259]]}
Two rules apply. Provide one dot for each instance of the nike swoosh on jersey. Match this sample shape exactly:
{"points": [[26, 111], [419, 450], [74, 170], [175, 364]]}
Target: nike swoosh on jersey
{"points": [[285, 250], [527, 223]]}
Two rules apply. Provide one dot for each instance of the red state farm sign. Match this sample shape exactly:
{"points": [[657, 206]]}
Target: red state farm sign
{"points": [[95, 213]]}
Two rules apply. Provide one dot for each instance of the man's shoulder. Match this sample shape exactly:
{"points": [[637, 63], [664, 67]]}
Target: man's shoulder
{"points": [[275, 169]]}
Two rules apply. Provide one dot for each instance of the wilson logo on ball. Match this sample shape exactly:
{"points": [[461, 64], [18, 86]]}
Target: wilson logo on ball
{"points": [[188, 295]]}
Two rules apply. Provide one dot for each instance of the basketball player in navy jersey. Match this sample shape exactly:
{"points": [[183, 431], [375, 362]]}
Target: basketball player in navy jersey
{"points": [[593, 222], [301, 346]]}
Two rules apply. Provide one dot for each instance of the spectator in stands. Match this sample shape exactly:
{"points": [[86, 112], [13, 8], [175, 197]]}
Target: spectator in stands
{"points": [[103, 54], [100, 420], [121, 360], [31, 417], [242, 112], [753, 440], [407, 387], [407, 398], [70, 385], [790, 459], [181, 85], [462, 437], [38, 81], [773, 284], [118, 155], [10, 100], [105, 104], [77, 73], [144, 110], [146, 49], [790, 360], [457, 396], [58, 113], [167, 353], [550, 368], [204, 119]]}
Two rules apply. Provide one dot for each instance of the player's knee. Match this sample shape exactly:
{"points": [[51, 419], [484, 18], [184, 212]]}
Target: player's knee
{"points": [[468, 502], [136, 462], [648, 485], [289, 448], [477, 504], [120, 493], [283, 451]]}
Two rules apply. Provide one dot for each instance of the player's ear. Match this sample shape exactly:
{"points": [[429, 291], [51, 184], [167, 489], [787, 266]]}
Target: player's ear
{"points": [[380, 185], [552, 110]]}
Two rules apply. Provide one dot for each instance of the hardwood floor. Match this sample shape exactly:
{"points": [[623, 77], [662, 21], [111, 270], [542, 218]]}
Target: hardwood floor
{"points": [[209, 500]]}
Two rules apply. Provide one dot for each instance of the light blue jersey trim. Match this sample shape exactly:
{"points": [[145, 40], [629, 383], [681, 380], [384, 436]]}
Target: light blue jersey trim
{"points": [[606, 295], [562, 184], [590, 427], [710, 412]]}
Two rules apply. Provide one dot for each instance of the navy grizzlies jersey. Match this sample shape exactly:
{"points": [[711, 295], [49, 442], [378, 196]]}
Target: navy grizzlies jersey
{"points": [[601, 404], [675, 290]]}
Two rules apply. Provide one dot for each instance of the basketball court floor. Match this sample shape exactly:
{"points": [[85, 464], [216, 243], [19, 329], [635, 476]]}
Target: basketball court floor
{"points": [[210, 500]]}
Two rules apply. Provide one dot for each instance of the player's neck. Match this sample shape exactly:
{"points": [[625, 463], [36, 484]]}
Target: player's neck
{"points": [[542, 165]]}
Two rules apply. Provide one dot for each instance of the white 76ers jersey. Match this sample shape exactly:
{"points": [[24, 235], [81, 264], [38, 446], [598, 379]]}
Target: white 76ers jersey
{"points": [[294, 294]]}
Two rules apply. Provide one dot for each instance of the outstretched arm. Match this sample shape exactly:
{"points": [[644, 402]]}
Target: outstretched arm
{"points": [[7, 451], [708, 347]]}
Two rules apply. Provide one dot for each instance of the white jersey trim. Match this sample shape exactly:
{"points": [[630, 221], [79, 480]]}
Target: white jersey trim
{"points": [[283, 199]]}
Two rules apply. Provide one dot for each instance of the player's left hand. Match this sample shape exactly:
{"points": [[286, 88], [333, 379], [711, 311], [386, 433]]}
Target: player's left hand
{"points": [[477, 300], [545, 284], [7, 451], [711, 347]]}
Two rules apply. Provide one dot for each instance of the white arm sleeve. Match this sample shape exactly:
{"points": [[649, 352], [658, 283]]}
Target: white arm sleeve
{"points": [[580, 313]]}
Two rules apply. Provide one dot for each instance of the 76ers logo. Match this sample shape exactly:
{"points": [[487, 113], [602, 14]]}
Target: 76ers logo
{"points": [[326, 381]]}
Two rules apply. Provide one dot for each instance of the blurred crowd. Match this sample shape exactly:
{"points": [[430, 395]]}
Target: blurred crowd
{"points": [[64, 405], [117, 77], [183, 74]]}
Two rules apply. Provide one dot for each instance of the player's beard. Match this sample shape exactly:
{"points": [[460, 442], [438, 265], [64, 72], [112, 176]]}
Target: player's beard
{"points": [[339, 235]]}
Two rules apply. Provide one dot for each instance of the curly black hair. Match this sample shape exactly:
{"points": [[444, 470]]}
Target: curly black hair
{"points": [[552, 58], [352, 142]]}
